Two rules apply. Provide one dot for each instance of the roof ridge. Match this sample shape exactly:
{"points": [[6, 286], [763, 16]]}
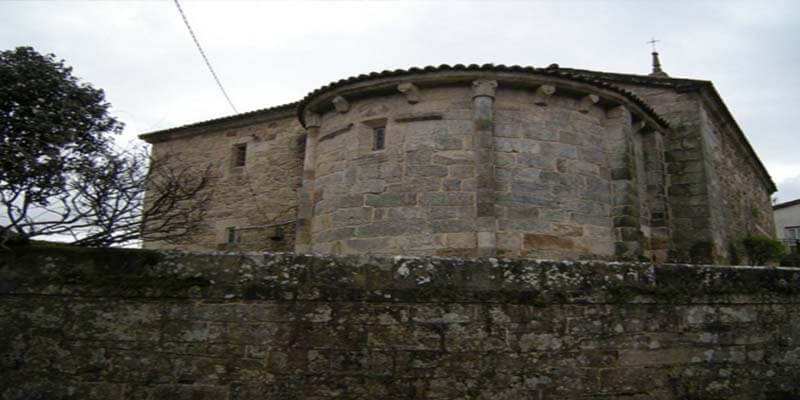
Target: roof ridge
{"points": [[282, 107], [786, 204], [553, 70]]}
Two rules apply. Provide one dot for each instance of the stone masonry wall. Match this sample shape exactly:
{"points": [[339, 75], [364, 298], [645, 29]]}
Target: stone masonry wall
{"points": [[746, 208], [716, 197], [124, 324], [553, 177], [477, 167], [693, 218], [257, 200], [415, 196]]}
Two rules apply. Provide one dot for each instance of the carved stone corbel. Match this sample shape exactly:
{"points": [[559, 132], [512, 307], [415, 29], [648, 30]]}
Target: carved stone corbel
{"points": [[341, 104], [410, 90], [587, 102], [543, 94], [484, 87], [312, 119]]}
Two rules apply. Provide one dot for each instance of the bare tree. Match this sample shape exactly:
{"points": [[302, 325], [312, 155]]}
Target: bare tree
{"points": [[114, 199]]}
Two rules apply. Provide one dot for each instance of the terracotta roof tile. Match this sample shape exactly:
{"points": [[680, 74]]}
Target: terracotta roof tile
{"points": [[573, 74]]}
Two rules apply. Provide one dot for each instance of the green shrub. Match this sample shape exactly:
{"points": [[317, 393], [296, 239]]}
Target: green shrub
{"points": [[792, 260], [760, 249]]}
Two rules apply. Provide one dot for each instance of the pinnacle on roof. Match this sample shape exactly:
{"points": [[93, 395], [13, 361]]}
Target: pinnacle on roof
{"points": [[657, 72]]}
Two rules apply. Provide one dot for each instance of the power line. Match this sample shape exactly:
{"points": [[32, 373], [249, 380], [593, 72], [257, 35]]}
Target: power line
{"points": [[202, 53]]}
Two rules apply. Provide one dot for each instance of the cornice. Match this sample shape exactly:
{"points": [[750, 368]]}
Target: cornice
{"points": [[444, 74]]}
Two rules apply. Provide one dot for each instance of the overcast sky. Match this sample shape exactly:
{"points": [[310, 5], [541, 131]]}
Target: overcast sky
{"points": [[269, 53]]}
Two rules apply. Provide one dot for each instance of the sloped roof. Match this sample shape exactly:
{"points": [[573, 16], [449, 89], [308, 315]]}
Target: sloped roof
{"points": [[592, 77], [553, 70], [786, 204], [211, 122], [683, 84]]}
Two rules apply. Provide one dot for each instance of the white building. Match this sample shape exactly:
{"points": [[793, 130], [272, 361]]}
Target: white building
{"points": [[787, 223]]}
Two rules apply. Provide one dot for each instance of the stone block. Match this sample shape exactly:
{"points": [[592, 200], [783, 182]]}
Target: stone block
{"points": [[447, 199], [368, 186], [416, 184], [457, 212], [509, 240], [593, 156], [570, 230], [451, 185], [533, 187], [460, 240], [684, 155], [485, 209], [421, 241], [559, 150], [334, 234], [426, 171], [468, 185], [339, 201], [563, 180], [391, 228], [523, 225], [538, 198], [445, 141], [687, 178], [522, 211], [540, 241], [508, 128], [451, 158], [542, 160], [406, 213], [516, 145], [419, 156], [548, 132], [452, 225], [367, 246], [461, 171], [352, 216], [505, 160], [390, 199]]}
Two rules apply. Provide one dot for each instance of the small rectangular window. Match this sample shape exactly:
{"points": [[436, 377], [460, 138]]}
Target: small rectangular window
{"points": [[240, 155], [231, 234], [379, 138]]}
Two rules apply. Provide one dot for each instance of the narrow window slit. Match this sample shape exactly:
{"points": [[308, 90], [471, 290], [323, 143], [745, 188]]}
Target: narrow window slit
{"points": [[240, 155], [379, 141]]}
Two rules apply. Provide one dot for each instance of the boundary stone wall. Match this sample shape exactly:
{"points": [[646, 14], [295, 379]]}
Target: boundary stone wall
{"points": [[125, 324]]}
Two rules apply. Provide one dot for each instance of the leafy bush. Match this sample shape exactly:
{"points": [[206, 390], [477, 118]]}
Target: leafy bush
{"points": [[760, 249], [792, 260]]}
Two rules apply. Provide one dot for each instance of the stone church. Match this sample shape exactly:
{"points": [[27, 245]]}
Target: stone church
{"points": [[483, 160]]}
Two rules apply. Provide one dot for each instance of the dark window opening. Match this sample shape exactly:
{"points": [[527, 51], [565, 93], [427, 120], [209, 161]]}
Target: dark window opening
{"points": [[240, 155], [379, 141], [231, 233]]}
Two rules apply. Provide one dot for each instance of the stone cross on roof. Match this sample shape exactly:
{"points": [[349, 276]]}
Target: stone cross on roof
{"points": [[653, 42], [657, 72]]}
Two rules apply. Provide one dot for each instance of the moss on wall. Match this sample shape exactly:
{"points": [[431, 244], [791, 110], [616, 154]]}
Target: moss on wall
{"points": [[124, 324]]}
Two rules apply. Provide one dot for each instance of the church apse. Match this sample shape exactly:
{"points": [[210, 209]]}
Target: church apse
{"points": [[481, 164]]}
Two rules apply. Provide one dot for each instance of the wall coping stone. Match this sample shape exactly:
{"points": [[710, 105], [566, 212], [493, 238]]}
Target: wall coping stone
{"points": [[289, 276]]}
